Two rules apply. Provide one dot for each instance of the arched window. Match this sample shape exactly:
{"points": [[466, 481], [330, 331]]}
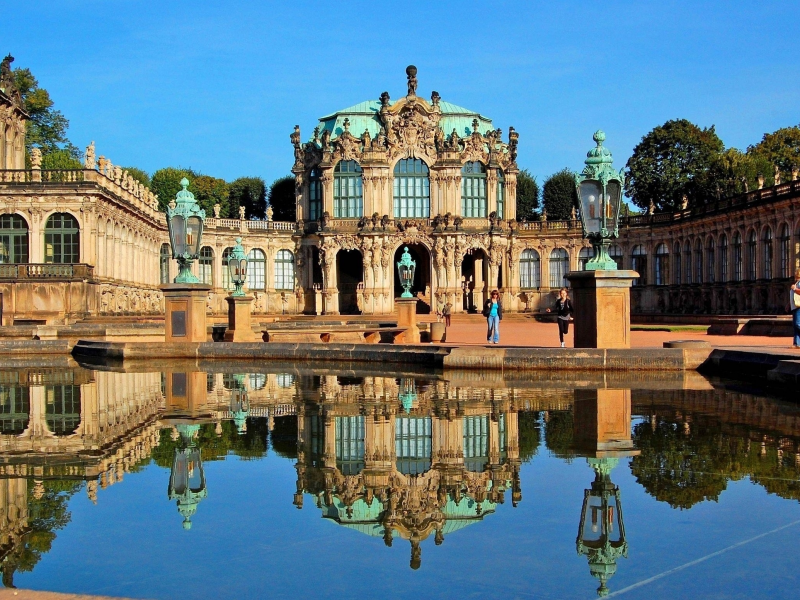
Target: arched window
{"points": [[687, 262], [412, 189], [768, 254], [662, 264], [15, 408], [476, 443], [677, 262], [314, 195], [13, 239], [501, 195], [205, 265], [61, 239], [583, 257], [284, 270], [164, 256], [639, 264], [63, 408], [412, 444], [710, 262], [473, 190], [258, 381], [751, 255], [284, 380], [256, 269], [226, 274], [785, 246], [348, 191], [698, 261], [615, 252], [737, 257], [349, 444], [723, 258], [529, 270], [559, 267]]}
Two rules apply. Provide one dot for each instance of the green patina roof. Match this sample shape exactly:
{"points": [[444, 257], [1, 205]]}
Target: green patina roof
{"points": [[364, 115]]}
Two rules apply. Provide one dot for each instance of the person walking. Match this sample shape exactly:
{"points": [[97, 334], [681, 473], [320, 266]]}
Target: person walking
{"points": [[446, 311], [493, 311], [562, 308], [794, 306]]}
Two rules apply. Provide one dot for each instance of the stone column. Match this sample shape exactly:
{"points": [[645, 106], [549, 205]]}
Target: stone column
{"points": [[185, 318], [407, 319], [602, 308], [239, 322]]}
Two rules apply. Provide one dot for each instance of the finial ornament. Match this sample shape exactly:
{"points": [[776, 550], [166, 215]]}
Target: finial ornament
{"points": [[411, 73]]}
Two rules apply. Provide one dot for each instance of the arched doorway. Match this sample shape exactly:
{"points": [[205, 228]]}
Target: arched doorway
{"points": [[422, 276], [349, 273], [475, 274]]}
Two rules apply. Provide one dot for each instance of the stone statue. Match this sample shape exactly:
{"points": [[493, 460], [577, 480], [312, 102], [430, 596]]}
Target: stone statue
{"points": [[544, 215], [269, 213], [684, 202], [89, 160], [795, 172], [366, 139], [574, 214], [435, 98], [411, 72], [760, 181], [241, 213], [385, 99], [217, 208], [36, 158], [777, 175], [7, 83], [651, 209]]}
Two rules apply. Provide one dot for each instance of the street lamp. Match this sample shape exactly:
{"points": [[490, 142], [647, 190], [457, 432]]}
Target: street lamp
{"points": [[601, 533], [187, 481], [405, 268], [240, 404], [408, 393], [185, 224], [599, 189], [237, 268]]}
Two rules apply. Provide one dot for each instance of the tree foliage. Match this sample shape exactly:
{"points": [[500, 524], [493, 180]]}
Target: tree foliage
{"points": [[209, 191], [527, 196], [60, 159], [736, 172], [281, 199], [138, 174], [559, 433], [675, 159], [781, 148], [530, 434], [559, 195], [250, 192], [47, 127], [167, 182]]}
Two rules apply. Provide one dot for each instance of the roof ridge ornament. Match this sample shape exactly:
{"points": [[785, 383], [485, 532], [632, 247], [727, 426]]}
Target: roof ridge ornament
{"points": [[411, 73]]}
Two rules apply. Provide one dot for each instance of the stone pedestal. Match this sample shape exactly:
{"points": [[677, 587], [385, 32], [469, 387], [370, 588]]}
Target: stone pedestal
{"points": [[186, 396], [602, 301], [407, 319], [239, 326], [602, 423], [185, 312]]}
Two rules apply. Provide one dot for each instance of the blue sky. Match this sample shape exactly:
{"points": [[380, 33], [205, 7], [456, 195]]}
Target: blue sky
{"points": [[218, 86]]}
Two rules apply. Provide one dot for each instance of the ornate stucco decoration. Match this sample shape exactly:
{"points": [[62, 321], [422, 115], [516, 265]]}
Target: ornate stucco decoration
{"points": [[411, 126]]}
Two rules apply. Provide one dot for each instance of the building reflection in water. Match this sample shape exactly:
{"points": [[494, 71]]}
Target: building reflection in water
{"points": [[406, 465]]}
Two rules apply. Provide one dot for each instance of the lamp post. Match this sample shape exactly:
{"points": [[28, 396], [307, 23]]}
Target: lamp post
{"points": [[240, 404], [406, 303], [599, 189], [237, 268], [601, 292], [405, 269], [239, 325], [187, 481], [408, 393]]}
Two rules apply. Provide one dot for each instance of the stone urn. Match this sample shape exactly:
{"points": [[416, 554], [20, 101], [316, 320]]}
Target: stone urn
{"points": [[438, 333]]}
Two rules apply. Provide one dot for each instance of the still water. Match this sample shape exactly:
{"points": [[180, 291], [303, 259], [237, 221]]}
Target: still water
{"points": [[222, 482]]}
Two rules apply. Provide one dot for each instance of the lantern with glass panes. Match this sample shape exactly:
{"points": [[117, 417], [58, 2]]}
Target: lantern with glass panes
{"points": [[187, 480], [405, 269], [408, 393], [601, 533], [185, 221], [240, 403], [599, 189], [237, 268]]}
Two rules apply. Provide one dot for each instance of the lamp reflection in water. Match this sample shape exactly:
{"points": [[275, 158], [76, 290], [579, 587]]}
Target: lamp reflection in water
{"points": [[187, 481], [601, 533], [240, 403], [408, 394]]}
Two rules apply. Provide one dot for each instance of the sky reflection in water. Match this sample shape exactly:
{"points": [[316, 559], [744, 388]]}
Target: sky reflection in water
{"points": [[409, 487]]}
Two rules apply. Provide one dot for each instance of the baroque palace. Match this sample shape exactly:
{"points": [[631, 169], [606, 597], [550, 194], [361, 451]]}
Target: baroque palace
{"points": [[374, 179]]}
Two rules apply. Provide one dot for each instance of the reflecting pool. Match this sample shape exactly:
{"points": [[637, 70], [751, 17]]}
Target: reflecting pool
{"points": [[244, 480]]}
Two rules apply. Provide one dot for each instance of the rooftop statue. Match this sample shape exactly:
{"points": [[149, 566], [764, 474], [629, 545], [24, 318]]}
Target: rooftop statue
{"points": [[7, 83], [411, 71]]}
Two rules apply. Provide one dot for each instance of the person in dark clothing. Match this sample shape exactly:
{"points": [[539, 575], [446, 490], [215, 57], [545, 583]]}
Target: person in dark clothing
{"points": [[563, 309], [493, 311]]}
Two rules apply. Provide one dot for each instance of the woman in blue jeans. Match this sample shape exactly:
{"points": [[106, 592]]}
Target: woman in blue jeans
{"points": [[794, 305], [493, 311]]}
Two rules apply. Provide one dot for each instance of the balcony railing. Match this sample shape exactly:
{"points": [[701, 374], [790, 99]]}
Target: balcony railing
{"points": [[46, 271]]}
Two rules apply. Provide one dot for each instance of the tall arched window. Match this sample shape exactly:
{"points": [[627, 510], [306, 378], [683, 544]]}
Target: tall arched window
{"points": [[13, 239], [738, 263], [751, 255], [226, 274], [785, 246], [284, 270], [61, 239], [529, 270], [710, 262], [349, 444], [662, 264], [639, 264], [412, 443], [63, 408], [473, 190], [164, 256], [314, 195], [615, 252], [768, 254], [412, 189], [698, 261], [501, 195], [583, 257], [687, 262], [559, 267], [256, 269], [723, 258], [205, 265], [348, 191], [677, 262]]}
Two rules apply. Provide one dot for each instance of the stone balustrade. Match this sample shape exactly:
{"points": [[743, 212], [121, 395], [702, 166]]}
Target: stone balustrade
{"points": [[46, 271]]}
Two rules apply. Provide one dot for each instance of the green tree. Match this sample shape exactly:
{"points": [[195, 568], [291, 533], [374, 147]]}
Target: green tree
{"points": [[559, 434], [139, 175], [527, 196], [559, 195], [250, 192], [209, 191], [60, 159], [673, 160], [737, 172], [47, 127], [782, 148], [167, 182], [530, 434], [281, 199]]}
